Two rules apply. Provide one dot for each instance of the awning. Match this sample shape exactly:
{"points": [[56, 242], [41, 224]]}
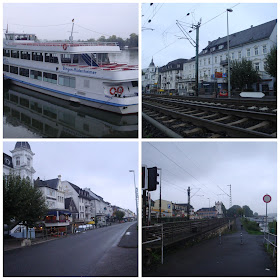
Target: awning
{"points": [[64, 212]]}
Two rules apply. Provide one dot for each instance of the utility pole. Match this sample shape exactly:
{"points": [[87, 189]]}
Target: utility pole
{"points": [[196, 56], [230, 198], [160, 197], [195, 44], [189, 201]]}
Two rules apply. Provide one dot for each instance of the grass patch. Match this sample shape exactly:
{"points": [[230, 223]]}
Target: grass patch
{"points": [[251, 227]]}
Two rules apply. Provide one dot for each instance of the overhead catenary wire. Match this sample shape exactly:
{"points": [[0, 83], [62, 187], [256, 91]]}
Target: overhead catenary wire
{"points": [[178, 165]]}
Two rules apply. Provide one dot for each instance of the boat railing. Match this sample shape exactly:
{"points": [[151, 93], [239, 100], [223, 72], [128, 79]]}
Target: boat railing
{"points": [[68, 44], [107, 67]]}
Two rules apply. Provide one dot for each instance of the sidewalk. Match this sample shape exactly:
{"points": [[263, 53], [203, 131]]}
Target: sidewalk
{"points": [[210, 258], [123, 258]]}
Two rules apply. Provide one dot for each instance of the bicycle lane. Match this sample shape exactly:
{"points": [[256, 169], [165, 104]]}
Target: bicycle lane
{"points": [[210, 258]]}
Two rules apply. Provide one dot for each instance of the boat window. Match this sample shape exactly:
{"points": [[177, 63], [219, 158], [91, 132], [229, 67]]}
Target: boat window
{"points": [[37, 75], [51, 57], [50, 78], [5, 67], [37, 56], [24, 72], [13, 69], [15, 54], [76, 58], [67, 81], [134, 83], [65, 58], [6, 53], [25, 55]]}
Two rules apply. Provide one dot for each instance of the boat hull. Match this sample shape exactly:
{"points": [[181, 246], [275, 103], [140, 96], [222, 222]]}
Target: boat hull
{"points": [[123, 109]]}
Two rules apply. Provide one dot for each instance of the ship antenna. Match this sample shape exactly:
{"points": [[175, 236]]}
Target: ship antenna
{"points": [[71, 37]]}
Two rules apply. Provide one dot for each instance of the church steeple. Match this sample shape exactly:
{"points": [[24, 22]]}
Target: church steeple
{"points": [[152, 63]]}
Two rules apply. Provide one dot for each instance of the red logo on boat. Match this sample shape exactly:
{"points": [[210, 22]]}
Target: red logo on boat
{"points": [[64, 47]]}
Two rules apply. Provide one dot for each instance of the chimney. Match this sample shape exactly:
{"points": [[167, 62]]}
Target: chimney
{"points": [[59, 177], [251, 26]]}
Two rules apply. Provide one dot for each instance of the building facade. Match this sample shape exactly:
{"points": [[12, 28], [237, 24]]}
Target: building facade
{"points": [[252, 44], [150, 78], [21, 161]]}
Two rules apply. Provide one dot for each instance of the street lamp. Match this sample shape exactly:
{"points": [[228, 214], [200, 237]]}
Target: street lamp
{"points": [[209, 208], [228, 10], [136, 194]]}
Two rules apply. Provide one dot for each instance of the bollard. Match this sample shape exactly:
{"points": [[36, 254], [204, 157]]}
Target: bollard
{"points": [[241, 238]]}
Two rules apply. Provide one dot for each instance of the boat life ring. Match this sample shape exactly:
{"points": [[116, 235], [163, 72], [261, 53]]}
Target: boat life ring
{"points": [[112, 90], [120, 90], [64, 46]]}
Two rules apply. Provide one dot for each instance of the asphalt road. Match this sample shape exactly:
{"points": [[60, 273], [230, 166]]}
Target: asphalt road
{"points": [[210, 258], [91, 253]]}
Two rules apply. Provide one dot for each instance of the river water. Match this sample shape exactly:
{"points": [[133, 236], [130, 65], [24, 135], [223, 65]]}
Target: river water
{"points": [[30, 114]]}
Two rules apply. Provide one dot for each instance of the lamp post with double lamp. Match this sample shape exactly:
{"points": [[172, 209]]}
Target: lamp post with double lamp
{"points": [[228, 10], [136, 194]]}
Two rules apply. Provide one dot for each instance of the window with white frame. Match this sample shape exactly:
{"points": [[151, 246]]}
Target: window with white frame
{"points": [[239, 55], [232, 56], [257, 66], [221, 58], [256, 50], [17, 161], [204, 61], [264, 49], [216, 60], [248, 52], [209, 60]]}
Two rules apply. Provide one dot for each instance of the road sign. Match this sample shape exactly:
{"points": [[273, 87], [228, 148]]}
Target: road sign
{"points": [[267, 198]]}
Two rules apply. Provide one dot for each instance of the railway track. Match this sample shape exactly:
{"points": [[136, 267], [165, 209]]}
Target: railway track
{"points": [[185, 118]]}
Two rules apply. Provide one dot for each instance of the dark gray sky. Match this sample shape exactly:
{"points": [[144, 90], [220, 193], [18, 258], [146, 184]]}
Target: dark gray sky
{"points": [[163, 44], [101, 166], [107, 18], [250, 167]]}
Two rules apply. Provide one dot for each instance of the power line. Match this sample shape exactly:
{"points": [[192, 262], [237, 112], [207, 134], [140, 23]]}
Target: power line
{"points": [[177, 164], [93, 30]]}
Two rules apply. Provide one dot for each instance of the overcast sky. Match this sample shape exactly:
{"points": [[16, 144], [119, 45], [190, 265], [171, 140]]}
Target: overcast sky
{"points": [[107, 19], [101, 166], [163, 44], [250, 168]]}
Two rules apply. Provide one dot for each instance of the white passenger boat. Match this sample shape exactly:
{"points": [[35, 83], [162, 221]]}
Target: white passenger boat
{"points": [[79, 72]]}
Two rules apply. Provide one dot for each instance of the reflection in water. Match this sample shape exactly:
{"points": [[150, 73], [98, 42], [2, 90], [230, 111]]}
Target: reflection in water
{"points": [[29, 114]]}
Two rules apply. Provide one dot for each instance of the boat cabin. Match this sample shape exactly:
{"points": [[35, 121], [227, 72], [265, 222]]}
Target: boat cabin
{"points": [[20, 37]]}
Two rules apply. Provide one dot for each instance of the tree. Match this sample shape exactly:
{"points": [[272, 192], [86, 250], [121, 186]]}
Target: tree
{"points": [[247, 211], [119, 215], [256, 214], [270, 62], [132, 41], [243, 74], [22, 202], [234, 211]]}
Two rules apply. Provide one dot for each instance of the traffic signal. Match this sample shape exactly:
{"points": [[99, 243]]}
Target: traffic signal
{"points": [[152, 179], [144, 177]]}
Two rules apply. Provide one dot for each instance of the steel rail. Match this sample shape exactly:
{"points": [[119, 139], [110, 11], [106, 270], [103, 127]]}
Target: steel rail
{"points": [[211, 125]]}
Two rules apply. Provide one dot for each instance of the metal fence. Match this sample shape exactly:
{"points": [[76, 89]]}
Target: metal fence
{"points": [[152, 234], [176, 231], [271, 239]]}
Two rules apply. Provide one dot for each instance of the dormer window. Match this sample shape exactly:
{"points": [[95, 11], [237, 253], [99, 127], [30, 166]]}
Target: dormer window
{"points": [[220, 47], [17, 161], [212, 49]]}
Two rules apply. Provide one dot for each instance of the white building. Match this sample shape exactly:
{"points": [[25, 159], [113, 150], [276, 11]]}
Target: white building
{"points": [[150, 78], [218, 206], [21, 161], [252, 44], [81, 198], [171, 75]]}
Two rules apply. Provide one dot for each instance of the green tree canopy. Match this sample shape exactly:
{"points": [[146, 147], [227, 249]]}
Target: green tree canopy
{"points": [[22, 202], [234, 211], [243, 74], [119, 215], [247, 211], [270, 63]]}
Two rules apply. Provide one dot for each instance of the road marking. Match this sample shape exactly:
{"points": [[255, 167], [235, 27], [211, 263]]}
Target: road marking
{"points": [[128, 233]]}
